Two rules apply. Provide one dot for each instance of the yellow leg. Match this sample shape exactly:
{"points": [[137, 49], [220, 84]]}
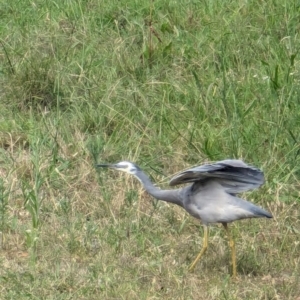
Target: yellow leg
{"points": [[204, 247], [232, 247]]}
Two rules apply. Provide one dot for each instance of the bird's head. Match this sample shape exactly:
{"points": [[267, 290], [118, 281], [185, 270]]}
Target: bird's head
{"points": [[125, 166]]}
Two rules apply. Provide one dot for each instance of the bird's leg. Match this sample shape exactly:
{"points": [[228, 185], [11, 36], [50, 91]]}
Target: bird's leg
{"points": [[204, 247], [232, 247]]}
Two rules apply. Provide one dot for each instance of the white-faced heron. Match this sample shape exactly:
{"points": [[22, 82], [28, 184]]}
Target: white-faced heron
{"points": [[211, 196]]}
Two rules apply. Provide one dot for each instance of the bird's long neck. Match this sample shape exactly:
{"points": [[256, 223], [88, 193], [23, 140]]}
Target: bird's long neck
{"points": [[171, 196]]}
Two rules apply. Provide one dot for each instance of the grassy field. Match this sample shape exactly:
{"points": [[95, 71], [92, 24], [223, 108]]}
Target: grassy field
{"points": [[168, 85]]}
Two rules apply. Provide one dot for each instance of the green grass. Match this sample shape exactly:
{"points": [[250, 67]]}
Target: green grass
{"points": [[168, 85]]}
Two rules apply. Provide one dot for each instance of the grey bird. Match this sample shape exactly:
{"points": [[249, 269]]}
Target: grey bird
{"points": [[211, 196]]}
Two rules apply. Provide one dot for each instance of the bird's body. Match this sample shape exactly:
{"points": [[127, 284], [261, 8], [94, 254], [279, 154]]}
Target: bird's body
{"points": [[211, 196], [217, 204]]}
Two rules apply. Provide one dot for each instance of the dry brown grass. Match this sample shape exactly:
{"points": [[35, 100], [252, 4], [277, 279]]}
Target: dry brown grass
{"points": [[103, 241]]}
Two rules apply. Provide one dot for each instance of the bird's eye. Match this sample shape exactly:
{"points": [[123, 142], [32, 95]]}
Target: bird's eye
{"points": [[122, 166]]}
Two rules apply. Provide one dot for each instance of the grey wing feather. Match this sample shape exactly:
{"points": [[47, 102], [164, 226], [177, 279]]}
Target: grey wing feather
{"points": [[234, 175]]}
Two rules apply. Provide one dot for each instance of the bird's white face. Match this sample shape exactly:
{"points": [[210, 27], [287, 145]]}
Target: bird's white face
{"points": [[127, 167]]}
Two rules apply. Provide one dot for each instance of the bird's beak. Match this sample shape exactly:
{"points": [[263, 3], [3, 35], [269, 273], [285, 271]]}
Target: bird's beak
{"points": [[105, 166]]}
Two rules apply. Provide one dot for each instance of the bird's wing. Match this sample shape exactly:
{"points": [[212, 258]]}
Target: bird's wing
{"points": [[234, 175]]}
